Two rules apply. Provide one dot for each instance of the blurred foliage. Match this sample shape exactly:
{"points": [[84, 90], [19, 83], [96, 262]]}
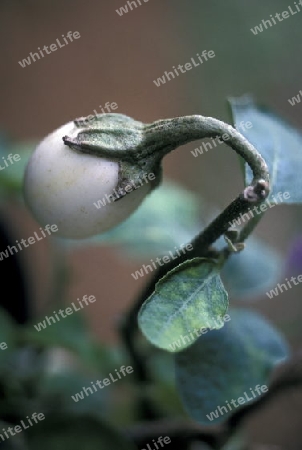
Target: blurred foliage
{"points": [[224, 365], [278, 142], [255, 270], [11, 179]]}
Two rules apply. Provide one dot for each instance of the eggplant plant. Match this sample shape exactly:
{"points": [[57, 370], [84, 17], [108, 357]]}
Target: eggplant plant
{"points": [[199, 364]]}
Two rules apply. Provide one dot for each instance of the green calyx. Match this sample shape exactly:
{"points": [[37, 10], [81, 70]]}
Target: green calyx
{"points": [[139, 148]]}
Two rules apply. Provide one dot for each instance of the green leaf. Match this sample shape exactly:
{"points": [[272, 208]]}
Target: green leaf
{"points": [[278, 142], [253, 271], [188, 298], [75, 433], [167, 218], [225, 364]]}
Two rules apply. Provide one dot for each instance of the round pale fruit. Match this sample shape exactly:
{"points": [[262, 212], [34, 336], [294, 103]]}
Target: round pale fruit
{"points": [[63, 187]]}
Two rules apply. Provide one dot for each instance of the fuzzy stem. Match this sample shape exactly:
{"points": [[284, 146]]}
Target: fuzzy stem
{"points": [[168, 134], [171, 133]]}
